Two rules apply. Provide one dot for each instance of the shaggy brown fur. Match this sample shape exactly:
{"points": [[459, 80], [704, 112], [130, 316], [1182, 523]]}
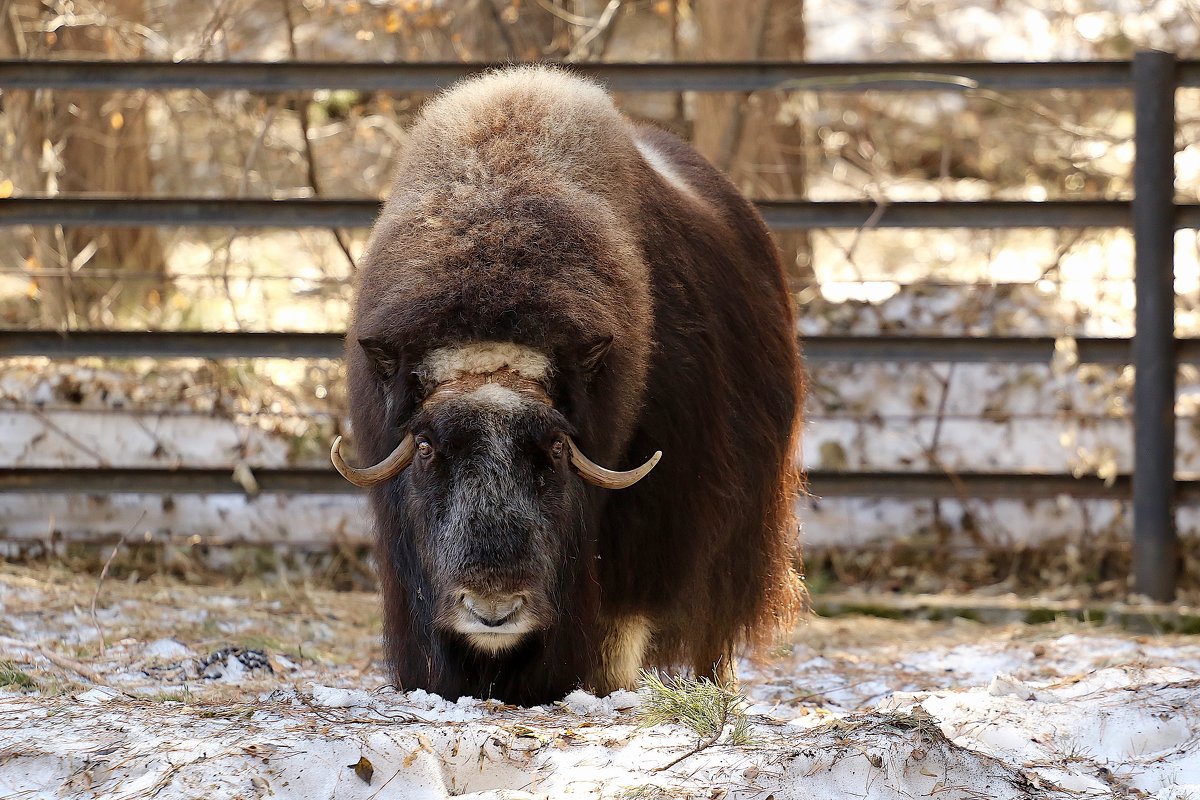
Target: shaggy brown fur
{"points": [[527, 209]]}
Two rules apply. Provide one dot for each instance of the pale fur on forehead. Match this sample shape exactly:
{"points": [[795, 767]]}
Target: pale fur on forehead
{"points": [[482, 358], [499, 397]]}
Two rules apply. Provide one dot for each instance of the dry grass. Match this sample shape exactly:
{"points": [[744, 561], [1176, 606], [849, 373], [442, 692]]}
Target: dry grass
{"points": [[297, 620], [1060, 569]]}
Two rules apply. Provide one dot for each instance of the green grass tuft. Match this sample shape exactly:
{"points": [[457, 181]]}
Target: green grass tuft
{"points": [[697, 704], [13, 677]]}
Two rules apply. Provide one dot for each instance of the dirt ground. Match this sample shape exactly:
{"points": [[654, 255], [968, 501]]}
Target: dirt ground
{"points": [[275, 689]]}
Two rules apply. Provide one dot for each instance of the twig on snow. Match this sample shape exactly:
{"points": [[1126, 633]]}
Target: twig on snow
{"points": [[71, 665], [104, 572], [700, 747]]}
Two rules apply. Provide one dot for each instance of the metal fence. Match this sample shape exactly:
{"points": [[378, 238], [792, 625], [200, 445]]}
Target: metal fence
{"points": [[1152, 215]]}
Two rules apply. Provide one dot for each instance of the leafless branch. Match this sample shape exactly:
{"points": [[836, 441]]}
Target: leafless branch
{"points": [[243, 185], [216, 23], [305, 124], [302, 111], [567, 16], [603, 27], [1046, 115], [101, 460], [701, 746], [510, 46]]}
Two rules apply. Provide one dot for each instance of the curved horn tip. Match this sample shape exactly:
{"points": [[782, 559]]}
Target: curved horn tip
{"points": [[345, 470], [391, 466], [597, 475], [335, 454]]}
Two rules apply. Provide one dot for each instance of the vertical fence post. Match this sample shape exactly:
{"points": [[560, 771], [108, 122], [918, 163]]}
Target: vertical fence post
{"points": [[1155, 547]]}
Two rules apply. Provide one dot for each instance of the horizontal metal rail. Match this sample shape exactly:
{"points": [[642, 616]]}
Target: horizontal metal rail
{"points": [[189, 212], [779, 214], [625, 77], [114, 480], [897, 485], [974, 486], [817, 349], [169, 344], [963, 350]]}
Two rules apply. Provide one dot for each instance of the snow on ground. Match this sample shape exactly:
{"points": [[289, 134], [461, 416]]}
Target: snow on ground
{"points": [[277, 691]]}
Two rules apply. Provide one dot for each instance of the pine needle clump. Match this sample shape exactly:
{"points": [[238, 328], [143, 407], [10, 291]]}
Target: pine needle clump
{"points": [[696, 703]]}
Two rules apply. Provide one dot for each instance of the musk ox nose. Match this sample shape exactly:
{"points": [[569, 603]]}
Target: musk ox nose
{"points": [[493, 610]]}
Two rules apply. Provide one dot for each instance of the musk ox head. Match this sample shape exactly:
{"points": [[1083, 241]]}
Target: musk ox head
{"points": [[492, 488]]}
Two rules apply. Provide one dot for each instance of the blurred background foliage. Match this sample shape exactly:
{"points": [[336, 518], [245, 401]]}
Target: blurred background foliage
{"points": [[821, 146]]}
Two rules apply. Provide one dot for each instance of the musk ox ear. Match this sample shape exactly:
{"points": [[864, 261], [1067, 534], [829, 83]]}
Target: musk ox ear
{"points": [[382, 357], [591, 354]]}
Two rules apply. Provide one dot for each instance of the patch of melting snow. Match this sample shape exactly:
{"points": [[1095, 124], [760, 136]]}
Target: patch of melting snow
{"points": [[976, 712], [432, 708], [101, 694], [166, 649], [620, 701], [330, 697], [1118, 729]]}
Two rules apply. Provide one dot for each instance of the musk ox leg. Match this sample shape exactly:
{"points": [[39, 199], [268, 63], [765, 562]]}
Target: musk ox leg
{"points": [[622, 653]]}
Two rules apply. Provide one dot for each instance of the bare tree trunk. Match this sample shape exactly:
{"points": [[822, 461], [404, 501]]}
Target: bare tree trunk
{"points": [[27, 125], [87, 142], [739, 132]]}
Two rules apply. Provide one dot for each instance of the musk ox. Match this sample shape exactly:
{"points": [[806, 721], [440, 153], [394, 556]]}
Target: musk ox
{"points": [[552, 296]]}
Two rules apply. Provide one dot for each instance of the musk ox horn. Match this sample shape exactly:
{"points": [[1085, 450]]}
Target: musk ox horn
{"points": [[390, 467], [597, 475]]}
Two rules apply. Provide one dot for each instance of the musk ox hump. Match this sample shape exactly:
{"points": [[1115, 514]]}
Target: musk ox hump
{"points": [[532, 125]]}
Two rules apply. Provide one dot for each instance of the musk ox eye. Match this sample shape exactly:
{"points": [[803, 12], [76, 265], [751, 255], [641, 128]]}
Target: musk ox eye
{"points": [[557, 448], [424, 449]]}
